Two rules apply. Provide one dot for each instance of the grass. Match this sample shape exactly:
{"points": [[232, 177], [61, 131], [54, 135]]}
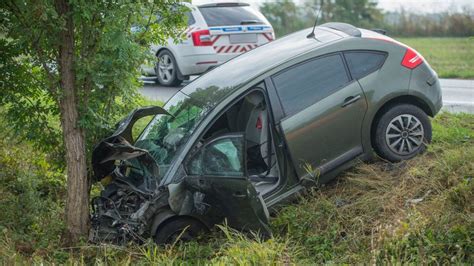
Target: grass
{"points": [[419, 211], [415, 212], [450, 57]]}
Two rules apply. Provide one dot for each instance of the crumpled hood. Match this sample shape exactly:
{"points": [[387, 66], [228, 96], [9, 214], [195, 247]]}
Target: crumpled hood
{"points": [[118, 146]]}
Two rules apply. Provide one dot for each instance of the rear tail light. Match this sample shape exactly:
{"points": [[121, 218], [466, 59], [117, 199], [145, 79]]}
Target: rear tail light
{"points": [[412, 59], [202, 38]]}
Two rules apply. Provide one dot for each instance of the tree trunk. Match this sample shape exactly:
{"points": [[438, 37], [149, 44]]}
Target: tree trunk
{"points": [[77, 202]]}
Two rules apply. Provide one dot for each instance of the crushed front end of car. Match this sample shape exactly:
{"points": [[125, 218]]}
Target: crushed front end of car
{"points": [[147, 191], [131, 195]]}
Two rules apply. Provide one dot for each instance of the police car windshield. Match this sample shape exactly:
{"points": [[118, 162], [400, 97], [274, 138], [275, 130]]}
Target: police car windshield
{"points": [[165, 135], [229, 15]]}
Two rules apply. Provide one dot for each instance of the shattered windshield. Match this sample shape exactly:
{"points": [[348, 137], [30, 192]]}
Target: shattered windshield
{"points": [[166, 134]]}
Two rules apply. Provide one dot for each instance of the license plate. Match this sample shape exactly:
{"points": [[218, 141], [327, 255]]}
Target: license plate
{"points": [[243, 38]]}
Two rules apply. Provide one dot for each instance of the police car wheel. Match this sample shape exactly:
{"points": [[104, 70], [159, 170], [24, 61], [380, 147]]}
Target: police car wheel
{"points": [[166, 70]]}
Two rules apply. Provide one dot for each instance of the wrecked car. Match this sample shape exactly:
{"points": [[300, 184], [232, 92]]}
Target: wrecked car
{"points": [[243, 138]]}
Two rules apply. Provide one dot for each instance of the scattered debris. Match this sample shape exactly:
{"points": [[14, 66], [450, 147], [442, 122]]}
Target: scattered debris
{"points": [[418, 200]]}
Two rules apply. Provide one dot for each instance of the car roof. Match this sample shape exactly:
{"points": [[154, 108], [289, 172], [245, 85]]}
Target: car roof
{"points": [[343, 27], [229, 76], [223, 4]]}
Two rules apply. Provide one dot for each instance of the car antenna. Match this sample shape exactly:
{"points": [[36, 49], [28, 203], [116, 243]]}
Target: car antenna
{"points": [[312, 35]]}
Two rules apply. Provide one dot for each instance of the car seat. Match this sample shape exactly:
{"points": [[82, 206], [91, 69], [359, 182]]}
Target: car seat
{"points": [[261, 161]]}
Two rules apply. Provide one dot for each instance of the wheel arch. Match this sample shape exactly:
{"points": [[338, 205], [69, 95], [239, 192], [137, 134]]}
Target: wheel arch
{"points": [[403, 99], [166, 216], [162, 49]]}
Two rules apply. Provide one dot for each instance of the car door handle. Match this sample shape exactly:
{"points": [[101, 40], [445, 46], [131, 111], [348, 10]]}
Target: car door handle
{"points": [[350, 100], [239, 194]]}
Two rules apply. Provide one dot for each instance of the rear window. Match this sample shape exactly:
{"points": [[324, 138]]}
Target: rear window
{"points": [[230, 15], [362, 63]]}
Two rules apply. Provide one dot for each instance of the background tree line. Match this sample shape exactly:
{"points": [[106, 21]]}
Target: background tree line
{"points": [[286, 16]]}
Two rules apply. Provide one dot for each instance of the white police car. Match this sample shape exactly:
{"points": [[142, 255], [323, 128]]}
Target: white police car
{"points": [[216, 33]]}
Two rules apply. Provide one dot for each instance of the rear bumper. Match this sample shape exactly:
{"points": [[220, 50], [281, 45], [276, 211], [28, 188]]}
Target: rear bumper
{"points": [[438, 103], [425, 85]]}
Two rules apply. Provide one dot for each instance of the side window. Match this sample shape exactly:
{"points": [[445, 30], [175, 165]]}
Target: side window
{"points": [[305, 84], [223, 157], [190, 17], [362, 63]]}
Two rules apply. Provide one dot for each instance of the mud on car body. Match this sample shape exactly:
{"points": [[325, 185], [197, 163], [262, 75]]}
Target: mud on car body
{"points": [[238, 140]]}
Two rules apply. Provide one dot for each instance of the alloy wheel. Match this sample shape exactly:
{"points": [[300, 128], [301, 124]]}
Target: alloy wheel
{"points": [[404, 134], [166, 68]]}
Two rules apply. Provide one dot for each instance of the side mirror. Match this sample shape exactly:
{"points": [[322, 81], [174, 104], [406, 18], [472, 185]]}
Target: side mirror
{"points": [[221, 156]]}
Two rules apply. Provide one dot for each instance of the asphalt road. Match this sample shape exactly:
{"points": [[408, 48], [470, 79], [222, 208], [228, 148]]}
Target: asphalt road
{"points": [[458, 95], [153, 91]]}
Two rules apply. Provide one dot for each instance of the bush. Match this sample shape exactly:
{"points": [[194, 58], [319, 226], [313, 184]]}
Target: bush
{"points": [[31, 193]]}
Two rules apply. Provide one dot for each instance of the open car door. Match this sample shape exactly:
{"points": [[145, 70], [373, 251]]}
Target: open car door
{"points": [[218, 170]]}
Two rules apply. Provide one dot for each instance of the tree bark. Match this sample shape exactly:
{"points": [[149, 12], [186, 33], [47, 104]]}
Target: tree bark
{"points": [[77, 202]]}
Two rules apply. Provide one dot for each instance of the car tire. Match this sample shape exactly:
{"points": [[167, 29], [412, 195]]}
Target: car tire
{"points": [[401, 133], [167, 69], [171, 230]]}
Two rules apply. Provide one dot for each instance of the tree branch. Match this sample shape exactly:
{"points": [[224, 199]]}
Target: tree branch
{"points": [[147, 25], [41, 57], [16, 11]]}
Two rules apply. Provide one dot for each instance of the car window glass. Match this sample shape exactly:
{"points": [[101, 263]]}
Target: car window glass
{"points": [[190, 17], [166, 135], [229, 15], [305, 84], [362, 63], [220, 158], [140, 125]]}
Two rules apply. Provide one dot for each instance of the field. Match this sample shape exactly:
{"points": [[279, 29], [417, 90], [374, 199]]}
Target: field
{"points": [[416, 212], [450, 57]]}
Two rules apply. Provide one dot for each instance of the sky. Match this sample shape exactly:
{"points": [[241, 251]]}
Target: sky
{"points": [[429, 6]]}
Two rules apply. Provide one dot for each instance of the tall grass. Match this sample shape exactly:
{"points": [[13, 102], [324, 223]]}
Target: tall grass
{"points": [[417, 212]]}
